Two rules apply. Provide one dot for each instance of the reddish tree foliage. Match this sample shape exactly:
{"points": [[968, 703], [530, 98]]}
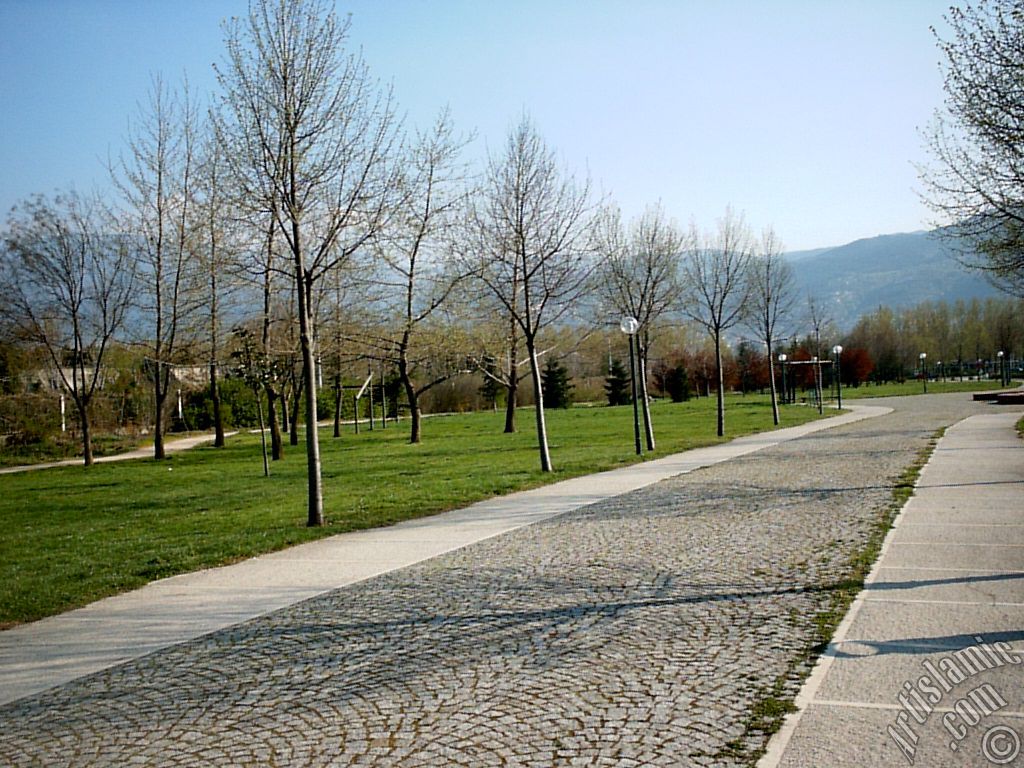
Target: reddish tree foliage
{"points": [[803, 372], [856, 366]]}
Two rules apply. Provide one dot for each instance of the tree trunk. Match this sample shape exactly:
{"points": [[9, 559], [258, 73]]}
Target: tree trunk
{"points": [[720, 375], [285, 421], [771, 385], [337, 404], [645, 402], [158, 421], [512, 387], [315, 490], [276, 444], [511, 401], [412, 397], [293, 416], [538, 393], [414, 412], [83, 417], [218, 419], [276, 447], [263, 431]]}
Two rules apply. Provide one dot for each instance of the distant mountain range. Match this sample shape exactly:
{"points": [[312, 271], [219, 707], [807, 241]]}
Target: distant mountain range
{"points": [[893, 270]]}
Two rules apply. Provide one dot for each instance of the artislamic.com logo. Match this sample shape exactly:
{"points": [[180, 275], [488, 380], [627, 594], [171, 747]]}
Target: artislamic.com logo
{"points": [[960, 713]]}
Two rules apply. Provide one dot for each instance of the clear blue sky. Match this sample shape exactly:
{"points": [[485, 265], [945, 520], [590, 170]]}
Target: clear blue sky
{"points": [[801, 113]]}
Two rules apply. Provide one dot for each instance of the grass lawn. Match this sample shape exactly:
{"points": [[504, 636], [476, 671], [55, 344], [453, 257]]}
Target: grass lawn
{"points": [[73, 535]]}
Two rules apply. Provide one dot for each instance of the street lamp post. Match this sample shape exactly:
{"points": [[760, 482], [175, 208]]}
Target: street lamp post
{"points": [[630, 325], [924, 372], [1002, 374], [782, 364], [838, 350], [817, 383]]}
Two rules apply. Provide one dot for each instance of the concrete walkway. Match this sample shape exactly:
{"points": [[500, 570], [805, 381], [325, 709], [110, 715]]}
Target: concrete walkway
{"points": [[927, 668], [172, 446], [54, 651]]}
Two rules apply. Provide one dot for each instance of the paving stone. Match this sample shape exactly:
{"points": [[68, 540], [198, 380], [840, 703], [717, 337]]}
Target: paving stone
{"points": [[636, 631]]}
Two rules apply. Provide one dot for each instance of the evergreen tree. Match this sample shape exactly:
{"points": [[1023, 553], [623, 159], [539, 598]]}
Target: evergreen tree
{"points": [[677, 383], [617, 385], [556, 384]]}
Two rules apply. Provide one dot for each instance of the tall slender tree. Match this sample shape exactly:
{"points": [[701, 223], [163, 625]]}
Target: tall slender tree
{"points": [[416, 274], [157, 177], [638, 275], [716, 285], [772, 294], [310, 132], [213, 250], [532, 251]]}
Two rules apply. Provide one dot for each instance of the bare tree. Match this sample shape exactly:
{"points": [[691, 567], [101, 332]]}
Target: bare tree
{"points": [[311, 134], [261, 270], [821, 325], [254, 368], [157, 179], [499, 350], [67, 278], [531, 224], [976, 183], [772, 294], [213, 251], [715, 275], [416, 274], [639, 276], [496, 354]]}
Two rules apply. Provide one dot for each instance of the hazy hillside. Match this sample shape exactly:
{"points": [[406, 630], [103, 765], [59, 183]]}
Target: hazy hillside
{"points": [[895, 270]]}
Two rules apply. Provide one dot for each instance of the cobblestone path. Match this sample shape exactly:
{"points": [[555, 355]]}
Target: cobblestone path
{"points": [[637, 631]]}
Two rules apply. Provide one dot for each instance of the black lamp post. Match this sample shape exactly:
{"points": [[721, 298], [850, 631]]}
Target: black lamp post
{"points": [[924, 371], [782, 364], [838, 350], [630, 325]]}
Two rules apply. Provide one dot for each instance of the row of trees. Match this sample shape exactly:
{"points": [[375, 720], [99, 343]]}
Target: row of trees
{"points": [[297, 210], [298, 191], [959, 335]]}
